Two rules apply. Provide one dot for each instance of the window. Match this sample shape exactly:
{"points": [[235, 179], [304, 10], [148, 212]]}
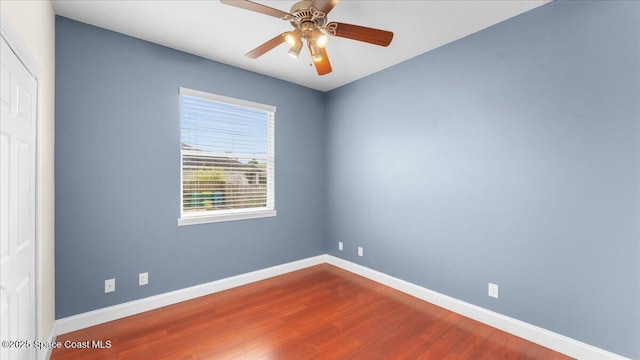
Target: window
{"points": [[227, 158]]}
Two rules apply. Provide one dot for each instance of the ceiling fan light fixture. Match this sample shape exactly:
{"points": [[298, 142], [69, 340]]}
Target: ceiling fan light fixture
{"points": [[294, 52], [292, 38], [320, 39], [316, 54]]}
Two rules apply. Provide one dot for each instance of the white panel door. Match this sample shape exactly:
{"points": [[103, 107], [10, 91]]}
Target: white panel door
{"points": [[17, 210]]}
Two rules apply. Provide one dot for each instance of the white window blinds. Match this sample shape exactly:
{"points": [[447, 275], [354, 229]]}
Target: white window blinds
{"points": [[227, 149]]}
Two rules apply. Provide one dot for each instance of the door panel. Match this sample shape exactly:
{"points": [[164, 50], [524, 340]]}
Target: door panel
{"points": [[17, 210]]}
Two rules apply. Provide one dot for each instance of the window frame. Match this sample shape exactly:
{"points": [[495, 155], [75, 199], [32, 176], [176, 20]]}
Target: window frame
{"points": [[212, 216]]}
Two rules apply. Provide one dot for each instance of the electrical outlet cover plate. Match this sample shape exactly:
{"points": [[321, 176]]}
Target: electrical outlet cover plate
{"points": [[360, 251], [143, 278], [493, 290], [340, 246], [109, 285]]}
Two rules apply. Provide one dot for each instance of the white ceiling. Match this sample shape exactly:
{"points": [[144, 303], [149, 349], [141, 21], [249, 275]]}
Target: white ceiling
{"points": [[225, 33]]}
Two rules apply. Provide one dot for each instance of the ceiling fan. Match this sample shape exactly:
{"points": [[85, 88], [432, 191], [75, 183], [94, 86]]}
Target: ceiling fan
{"points": [[309, 19]]}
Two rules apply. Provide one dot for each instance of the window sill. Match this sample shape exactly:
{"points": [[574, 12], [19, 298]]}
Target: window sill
{"points": [[205, 219]]}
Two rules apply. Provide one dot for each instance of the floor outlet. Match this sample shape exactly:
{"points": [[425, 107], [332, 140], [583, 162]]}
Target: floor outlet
{"points": [[109, 285], [360, 251], [143, 278], [493, 290], [340, 246]]}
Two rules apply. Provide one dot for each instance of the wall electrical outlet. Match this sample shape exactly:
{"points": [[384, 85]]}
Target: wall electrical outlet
{"points": [[493, 290], [340, 246], [360, 251], [143, 278], [109, 285]]}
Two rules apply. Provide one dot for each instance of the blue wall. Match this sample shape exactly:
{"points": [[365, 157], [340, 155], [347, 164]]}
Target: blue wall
{"points": [[118, 172], [511, 156]]}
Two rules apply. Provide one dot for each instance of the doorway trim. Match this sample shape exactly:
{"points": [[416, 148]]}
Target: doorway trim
{"points": [[12, 37]]}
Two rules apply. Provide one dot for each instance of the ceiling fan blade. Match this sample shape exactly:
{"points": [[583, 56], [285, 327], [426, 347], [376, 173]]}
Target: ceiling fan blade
{"points": [[324, 5], [262, 49], [360, 33], [263, 9], [323, 66]]}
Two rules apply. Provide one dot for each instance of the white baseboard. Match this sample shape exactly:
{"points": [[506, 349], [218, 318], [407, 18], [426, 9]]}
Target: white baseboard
{"points": [[535, 334], [115, 312]]}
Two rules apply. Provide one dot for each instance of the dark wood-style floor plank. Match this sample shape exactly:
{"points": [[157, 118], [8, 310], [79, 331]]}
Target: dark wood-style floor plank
{"points": [[321, 312]]}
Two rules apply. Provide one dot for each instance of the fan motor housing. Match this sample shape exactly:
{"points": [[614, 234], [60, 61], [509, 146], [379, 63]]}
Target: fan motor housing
{"points": [[303, 12]]}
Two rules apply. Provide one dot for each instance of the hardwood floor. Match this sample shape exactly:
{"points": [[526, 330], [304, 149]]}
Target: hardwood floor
{"points": [[321, 312]]}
